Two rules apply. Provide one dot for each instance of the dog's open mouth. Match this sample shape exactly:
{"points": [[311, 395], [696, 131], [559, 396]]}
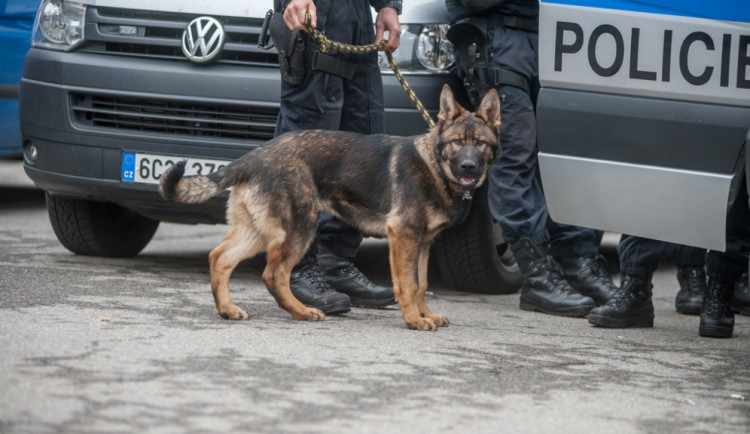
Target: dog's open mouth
{"points": [[467, 181]]}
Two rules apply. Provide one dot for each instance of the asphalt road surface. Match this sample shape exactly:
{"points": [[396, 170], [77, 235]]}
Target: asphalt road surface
{"points": [[134, 345]]}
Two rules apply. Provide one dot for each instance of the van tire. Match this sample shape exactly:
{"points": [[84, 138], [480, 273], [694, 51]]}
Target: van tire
{"points": [[473, 257], [91, 228]]}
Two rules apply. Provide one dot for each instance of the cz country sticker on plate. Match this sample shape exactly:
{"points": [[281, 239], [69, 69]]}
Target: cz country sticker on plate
{"points": [[148, 168]]}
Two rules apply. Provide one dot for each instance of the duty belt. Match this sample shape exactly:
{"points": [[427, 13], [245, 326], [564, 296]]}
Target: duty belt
{"points": [[319, 61], [520, 23], [496, 76], [315, 60]]}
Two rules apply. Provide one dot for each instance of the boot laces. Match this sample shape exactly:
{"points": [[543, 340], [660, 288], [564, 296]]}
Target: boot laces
{"points": [[599, 270], [310, 271], [352, 271], [693, 279], [621, 298], [625, 294], [718, 300], [556, 275]]}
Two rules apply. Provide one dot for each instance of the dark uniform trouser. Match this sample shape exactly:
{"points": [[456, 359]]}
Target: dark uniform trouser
{"points": [[516, 199], [641, 256], [327, 101], [729, 265]]}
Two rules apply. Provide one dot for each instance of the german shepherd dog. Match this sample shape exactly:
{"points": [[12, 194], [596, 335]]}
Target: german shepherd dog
{"points": [[404, 188]]}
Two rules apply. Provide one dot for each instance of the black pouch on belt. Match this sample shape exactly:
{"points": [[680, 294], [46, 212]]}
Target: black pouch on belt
{"points": [[469, 38], [291, 47]]}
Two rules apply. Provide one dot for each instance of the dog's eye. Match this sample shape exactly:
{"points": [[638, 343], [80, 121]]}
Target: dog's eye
{"points": [[457, 142]]}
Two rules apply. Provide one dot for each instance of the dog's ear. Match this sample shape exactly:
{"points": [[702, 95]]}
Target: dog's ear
{"points": [[449, 108], [489, 110]]}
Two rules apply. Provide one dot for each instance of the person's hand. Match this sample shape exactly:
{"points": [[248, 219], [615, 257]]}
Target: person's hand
{"points": [[294, 14], [387, 21]]}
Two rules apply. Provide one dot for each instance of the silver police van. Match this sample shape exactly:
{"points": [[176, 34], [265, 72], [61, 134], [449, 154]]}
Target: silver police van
{"points": [[644, 115]]}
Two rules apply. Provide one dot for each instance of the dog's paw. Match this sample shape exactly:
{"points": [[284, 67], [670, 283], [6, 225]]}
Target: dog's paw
{"points": [[423, 324], [439, 320], [233, 312], [310, 314]]}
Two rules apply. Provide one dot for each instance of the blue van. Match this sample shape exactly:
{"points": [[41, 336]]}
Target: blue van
{"points": [[16, 23]]}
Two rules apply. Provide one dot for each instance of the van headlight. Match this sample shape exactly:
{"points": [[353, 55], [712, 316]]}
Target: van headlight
{"points": [[424, 49], [59, 25]]}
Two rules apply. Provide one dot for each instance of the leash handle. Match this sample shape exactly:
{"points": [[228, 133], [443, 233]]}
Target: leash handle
{"points": [[326, 43]]}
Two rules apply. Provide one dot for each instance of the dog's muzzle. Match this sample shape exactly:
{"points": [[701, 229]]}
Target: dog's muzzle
{"points": [[468, 173]]}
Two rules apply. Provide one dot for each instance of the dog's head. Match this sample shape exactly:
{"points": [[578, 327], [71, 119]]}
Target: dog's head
{"points": [[467, 142]]}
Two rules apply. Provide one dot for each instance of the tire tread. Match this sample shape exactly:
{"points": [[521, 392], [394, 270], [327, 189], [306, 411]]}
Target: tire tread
{"points": [[92, 228]]}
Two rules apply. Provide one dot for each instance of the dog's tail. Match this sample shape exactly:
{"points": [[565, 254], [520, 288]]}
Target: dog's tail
{"points": [[191, 189]]}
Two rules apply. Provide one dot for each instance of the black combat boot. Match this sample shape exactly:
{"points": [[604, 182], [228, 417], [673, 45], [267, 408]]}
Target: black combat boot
{"points": [[344, 277], [310, 288], [589, 276], [692, 282], [717, 317], [742, 296], [544, 287], [630, 307]]}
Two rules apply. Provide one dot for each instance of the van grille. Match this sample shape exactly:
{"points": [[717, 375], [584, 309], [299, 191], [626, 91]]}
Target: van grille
{"points": [[153, 34], [174, 117]]}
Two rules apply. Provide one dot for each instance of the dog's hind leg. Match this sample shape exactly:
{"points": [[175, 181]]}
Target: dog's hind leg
{"points": [[424, 310], [280, 260], [238, 245]]}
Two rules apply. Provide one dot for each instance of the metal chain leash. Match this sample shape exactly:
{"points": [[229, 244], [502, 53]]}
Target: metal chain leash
{"points": [[326, 44]]}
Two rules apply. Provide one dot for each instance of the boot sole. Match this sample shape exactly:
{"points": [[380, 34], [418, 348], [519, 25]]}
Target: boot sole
{"points": [[618, 323], [715, 331], [688, 308], [372, 304], [333, 309], [576, 312]]}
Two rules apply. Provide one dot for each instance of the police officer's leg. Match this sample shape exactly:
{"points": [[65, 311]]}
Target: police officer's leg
{"points": [[741, 244], [319, 104], [517, 203], [741, 303], [339, 242], [724, 270], [307, 106], [631, 305], [691, 275], [515, 194], [303, 107], [362, 112]]}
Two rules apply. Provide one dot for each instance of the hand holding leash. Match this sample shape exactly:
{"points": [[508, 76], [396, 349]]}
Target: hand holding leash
{"points": [[387, 21], [299, 13]]}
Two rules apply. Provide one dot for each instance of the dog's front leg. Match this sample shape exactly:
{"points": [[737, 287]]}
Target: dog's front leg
{"points": [[424, 310], [404, 255]]}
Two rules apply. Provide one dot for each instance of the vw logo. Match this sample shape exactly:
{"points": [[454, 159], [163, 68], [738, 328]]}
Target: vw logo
{"points": [[203, 39]]}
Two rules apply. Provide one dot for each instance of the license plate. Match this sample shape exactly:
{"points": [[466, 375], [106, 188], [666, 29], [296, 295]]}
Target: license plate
{"points": [[148, 168]]}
